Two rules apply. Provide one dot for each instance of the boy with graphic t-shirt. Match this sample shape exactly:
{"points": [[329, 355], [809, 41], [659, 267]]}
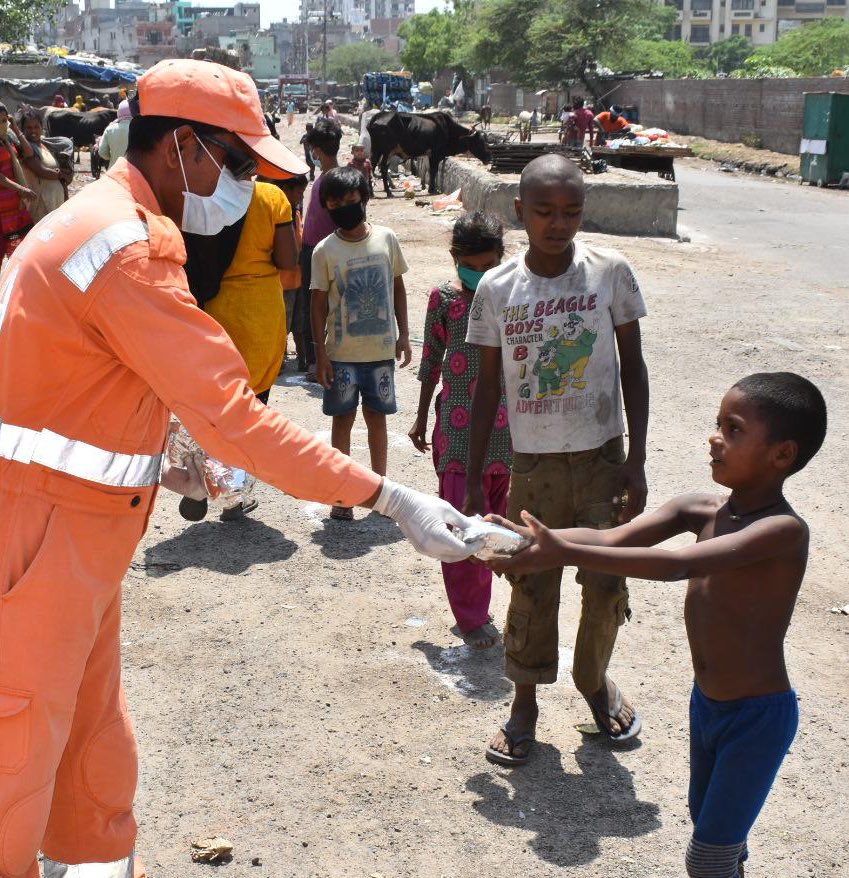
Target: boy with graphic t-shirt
{"points": [[553, 318], [357, 295]]}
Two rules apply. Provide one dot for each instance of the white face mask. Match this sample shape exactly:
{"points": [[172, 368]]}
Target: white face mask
{"points": [[209, 214]]}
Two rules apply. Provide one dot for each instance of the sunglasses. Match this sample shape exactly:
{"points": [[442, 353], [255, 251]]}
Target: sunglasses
{"points": [[240, 164]]}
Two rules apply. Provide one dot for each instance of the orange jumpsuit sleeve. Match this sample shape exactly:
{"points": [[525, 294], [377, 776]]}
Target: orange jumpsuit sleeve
{"points": [[154, 327]]}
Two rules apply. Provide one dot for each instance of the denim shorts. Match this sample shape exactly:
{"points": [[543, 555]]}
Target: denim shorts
{"points": [[374, 382]]}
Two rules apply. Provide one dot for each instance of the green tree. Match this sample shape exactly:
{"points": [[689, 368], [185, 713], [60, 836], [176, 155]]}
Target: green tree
{"points": [[348, 63], [558, 42], [19, 17], [730, 54], [812, 50], [432, 41], [673, 58]]}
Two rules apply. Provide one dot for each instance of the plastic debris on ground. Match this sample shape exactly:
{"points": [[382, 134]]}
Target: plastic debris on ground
{"points": [[212, 850], [449, 202]]}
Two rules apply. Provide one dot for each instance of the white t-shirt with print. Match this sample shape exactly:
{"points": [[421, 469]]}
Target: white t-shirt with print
{"points": [[359, 278], [558, 346]]}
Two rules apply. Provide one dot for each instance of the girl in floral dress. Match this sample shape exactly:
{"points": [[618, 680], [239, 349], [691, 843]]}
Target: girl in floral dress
{"points": [[477, 245]]}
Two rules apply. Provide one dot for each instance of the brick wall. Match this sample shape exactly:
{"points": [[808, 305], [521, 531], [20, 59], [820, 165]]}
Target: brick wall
{"points": [[726, 109]]}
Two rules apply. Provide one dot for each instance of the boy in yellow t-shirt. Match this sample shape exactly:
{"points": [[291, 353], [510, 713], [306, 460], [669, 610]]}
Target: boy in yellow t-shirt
{"points": [[357, 294]]}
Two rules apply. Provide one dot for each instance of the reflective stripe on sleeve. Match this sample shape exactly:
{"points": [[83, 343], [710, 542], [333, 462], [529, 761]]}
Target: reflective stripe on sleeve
{"points": [[78, 458], [82, 266]]}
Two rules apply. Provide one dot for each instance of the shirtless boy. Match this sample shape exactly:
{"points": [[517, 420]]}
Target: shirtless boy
{"points": [[744, 572]]}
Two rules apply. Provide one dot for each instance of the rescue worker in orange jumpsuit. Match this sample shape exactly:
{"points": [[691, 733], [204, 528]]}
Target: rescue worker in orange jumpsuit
{"points": [[99, 340]]}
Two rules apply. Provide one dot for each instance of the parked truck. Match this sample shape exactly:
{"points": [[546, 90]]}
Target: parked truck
{"points": [[295, 87]]}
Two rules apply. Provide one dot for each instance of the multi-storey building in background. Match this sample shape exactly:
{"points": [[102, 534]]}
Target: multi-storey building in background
{"points": [[702, 22]]}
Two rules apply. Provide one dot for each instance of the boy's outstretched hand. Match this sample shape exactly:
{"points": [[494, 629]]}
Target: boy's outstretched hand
{"points": [[546, 550]]}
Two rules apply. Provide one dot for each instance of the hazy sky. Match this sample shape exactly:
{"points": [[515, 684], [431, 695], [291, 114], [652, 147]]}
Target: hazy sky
{"points": [[275, 10]]}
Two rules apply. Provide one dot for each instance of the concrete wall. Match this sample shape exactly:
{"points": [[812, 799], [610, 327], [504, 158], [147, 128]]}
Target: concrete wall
{"points": [[618, 202], [727, 109]]}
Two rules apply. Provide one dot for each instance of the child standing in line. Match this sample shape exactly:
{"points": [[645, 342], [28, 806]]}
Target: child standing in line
{"points": [[555, 318], [322, 140], [744, 572], [357, 297], [477, 244], [363, 165]]}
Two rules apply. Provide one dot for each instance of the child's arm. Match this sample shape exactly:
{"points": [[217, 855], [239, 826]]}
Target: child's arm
{"points": [[430, 370], [319, 309], [285, 252], [484, 407], [772, 537], [683, 514], [635, 393], [402, 346]]}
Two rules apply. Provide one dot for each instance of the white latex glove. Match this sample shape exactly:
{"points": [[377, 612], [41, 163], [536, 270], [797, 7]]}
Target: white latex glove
{"points": [[424, 521]]}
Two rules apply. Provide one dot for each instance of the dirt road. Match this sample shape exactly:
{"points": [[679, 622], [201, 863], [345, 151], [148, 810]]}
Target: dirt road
{"points": [[296, 687]]}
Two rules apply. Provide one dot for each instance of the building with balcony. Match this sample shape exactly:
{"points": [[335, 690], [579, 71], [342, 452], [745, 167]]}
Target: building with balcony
{"points": [[702, 22]]}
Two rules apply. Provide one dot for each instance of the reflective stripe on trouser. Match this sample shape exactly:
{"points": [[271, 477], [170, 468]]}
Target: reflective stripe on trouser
{"points": [[120, 869], [78, 458], [564, 490], [67, 751]]}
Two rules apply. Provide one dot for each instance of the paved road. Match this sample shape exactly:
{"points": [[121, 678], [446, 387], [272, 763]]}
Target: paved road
{"points": [[797, 227]]}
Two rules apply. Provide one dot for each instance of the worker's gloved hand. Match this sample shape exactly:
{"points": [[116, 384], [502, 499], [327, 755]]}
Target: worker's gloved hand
{"points": [[424, 521]]}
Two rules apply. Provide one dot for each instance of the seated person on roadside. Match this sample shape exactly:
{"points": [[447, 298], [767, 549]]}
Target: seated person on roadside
{"points": [[611, 124], [357, 296], [744, 572], [553, 317]]}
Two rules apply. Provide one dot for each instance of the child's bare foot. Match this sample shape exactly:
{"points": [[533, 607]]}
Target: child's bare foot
{"points": [[482, 637], [612, 713], [512, 742]]}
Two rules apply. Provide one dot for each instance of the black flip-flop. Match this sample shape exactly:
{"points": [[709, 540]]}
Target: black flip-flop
{"points": [[631, 732], [507, 759], [238, 512]]}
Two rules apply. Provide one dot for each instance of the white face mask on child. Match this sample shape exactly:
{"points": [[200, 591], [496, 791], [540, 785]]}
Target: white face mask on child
{"points": [[209, 214]]}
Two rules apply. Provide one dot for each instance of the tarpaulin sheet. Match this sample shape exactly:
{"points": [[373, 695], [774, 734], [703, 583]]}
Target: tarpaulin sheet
{"points": [[94, 71], [39, 92]]}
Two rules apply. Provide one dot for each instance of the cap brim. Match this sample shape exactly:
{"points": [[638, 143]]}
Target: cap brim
{"points": [[275, 160]]}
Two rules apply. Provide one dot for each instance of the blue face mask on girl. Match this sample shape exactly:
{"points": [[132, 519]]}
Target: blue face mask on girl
{"points": [[469, 277]]}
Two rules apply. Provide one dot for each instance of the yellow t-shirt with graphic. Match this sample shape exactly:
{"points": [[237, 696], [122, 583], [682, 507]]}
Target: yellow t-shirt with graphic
{"points": [[359, 278]]}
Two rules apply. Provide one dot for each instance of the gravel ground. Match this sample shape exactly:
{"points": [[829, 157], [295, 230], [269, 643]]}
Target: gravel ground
{"points": [[298, 690]]}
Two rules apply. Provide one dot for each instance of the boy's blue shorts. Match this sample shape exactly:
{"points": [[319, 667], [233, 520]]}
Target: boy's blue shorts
{"points": [[736, 749], [374, 382]]}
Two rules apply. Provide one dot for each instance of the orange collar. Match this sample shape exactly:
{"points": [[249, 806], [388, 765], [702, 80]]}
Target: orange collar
{"points": [[166, 240]]}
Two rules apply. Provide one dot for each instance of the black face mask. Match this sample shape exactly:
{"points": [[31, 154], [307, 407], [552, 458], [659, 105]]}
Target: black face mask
{"points": [[349, 216]]}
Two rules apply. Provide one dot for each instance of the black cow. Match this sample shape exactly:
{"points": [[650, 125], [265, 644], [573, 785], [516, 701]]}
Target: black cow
{"points": [[411, 135], [82, 128]]}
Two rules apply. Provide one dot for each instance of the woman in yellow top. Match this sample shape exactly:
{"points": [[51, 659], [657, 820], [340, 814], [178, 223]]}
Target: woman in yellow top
{"points": [[235, 277], [249, 304]]}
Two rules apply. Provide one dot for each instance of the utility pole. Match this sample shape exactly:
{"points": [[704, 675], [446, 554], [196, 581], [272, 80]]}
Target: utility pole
{"points": [[324, 50]]}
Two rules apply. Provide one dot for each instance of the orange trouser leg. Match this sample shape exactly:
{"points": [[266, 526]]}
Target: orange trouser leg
{"points": [[67, 756]]}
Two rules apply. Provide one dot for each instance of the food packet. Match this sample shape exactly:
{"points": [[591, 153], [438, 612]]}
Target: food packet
{"points": [[227, 484], [492, 540]]}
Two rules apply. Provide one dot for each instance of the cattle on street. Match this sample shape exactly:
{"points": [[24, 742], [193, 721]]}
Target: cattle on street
{"points": [[410, 135]]}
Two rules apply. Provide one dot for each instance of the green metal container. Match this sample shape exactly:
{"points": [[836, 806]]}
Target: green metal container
{"points": [[825, 137]]}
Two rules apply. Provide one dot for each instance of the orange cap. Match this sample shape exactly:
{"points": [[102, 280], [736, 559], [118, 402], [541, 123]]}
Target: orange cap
{"points": [[203, 91]]}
